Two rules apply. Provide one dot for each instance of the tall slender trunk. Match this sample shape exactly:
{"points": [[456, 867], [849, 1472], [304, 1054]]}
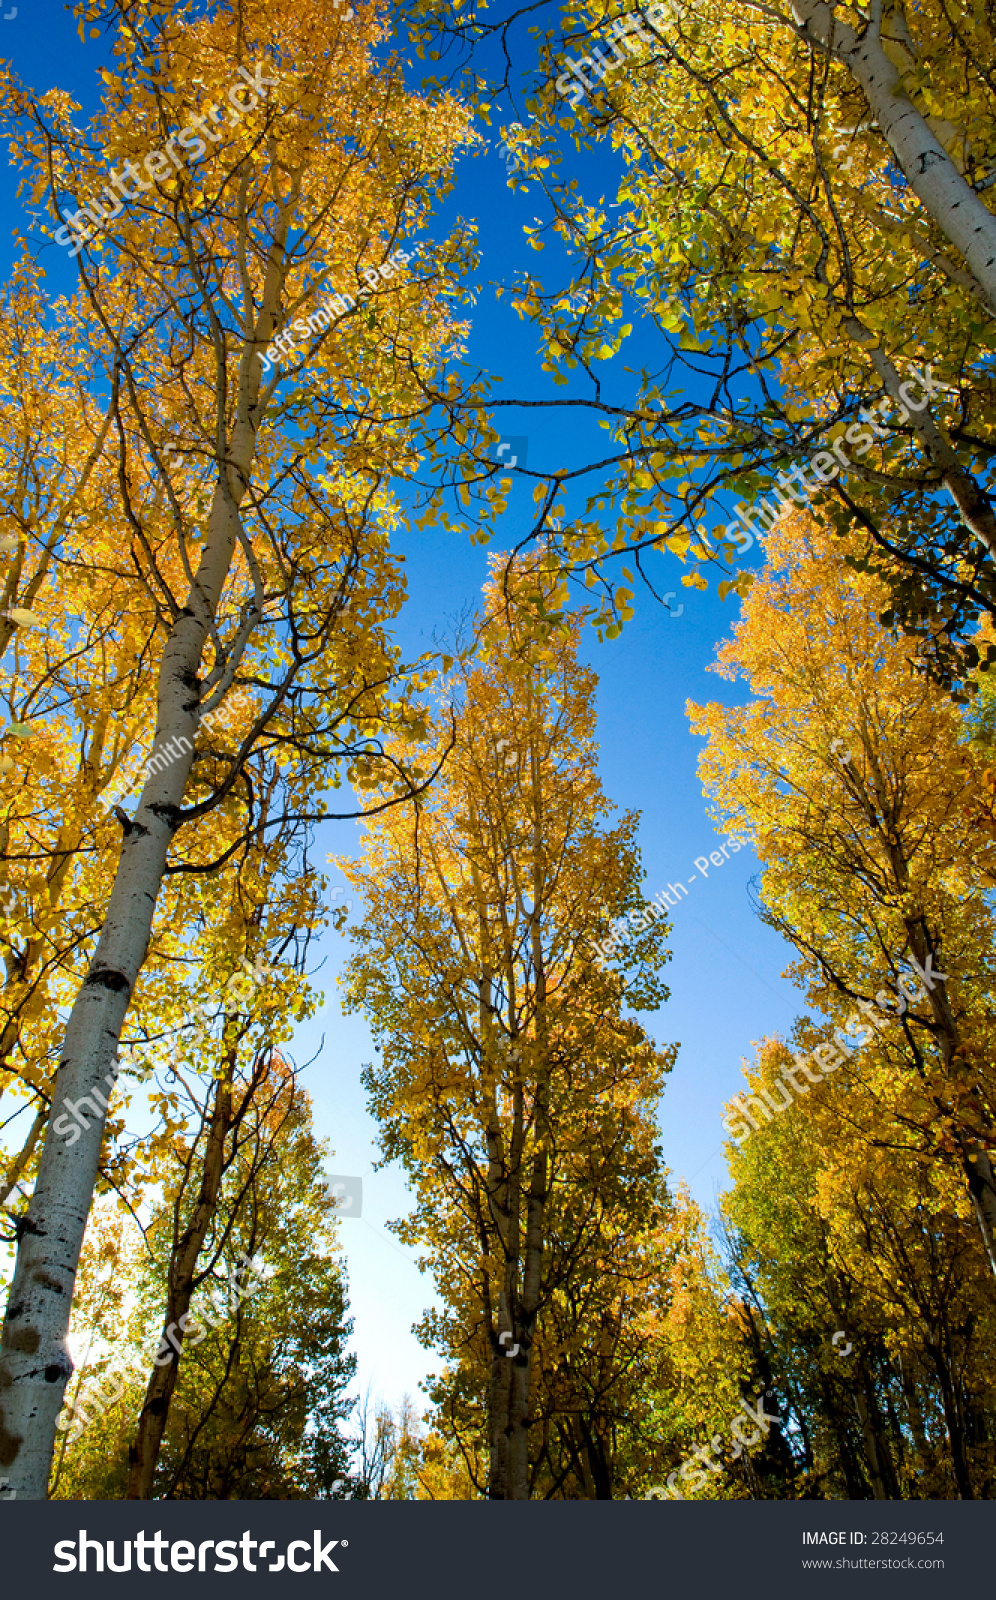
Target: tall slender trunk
{"points": [[595, 1461], [499, 1407], [510, 1395], [35, 1364], [952, 1420], [973, 501], [502, 1188], [959, 212], [976, 1161], [532, 1266], [508, 1358], [848, 1453], [982, 1187], [880, 1468], [524, 1328], [924, 1453], [144, 1452]]}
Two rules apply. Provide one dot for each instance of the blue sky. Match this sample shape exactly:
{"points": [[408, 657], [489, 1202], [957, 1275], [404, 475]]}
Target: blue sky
{"points": [[726, 988]]}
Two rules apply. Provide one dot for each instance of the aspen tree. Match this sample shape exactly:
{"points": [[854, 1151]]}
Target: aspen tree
{"points": [[255, 513], [513, 1087]]}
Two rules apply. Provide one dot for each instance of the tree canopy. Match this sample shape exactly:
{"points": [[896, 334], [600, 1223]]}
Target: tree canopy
{"points": [[266, 376]]}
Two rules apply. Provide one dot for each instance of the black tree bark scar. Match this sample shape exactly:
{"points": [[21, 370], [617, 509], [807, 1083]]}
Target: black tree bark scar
{"points": [[107, 979]]}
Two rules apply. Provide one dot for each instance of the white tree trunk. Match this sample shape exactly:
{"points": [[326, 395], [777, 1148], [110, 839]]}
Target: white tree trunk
{"points": [[35, 1364], [971, 499], [932, 175]]}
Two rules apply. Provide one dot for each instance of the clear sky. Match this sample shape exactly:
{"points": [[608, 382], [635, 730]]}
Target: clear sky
{"points": [[725, 975]]}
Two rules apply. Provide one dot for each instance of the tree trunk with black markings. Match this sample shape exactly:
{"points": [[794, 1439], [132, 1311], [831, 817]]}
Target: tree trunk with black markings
{"points": [[35, 1364], [959, 212], [144, 1452]]}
